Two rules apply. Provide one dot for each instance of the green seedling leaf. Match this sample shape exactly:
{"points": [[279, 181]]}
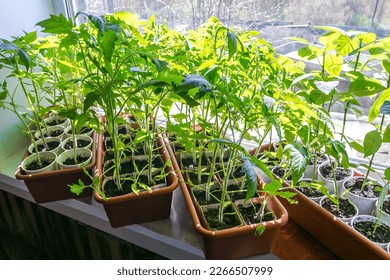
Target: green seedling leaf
{"points": [[7, 46], [259, 230], [326, 87], [4, 90], [299, 158], [386, 135], [357, 147], [56, 25], [77, 188], [194, 81], [108, 44], [377, 105], [372, 143], [24, 58], [387, 173], [251, 179], [386, 65], [90, 99], [232, 43]]}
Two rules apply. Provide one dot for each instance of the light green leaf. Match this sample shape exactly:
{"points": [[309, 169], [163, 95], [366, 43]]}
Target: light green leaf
{"points": [[299, 157], [372, 142], [207, 64], [376, 106], [386, 65], [344, 46], [56, 25], [356, 146], [259, 230], [386, 135], [387, 173], [77, 188], [333, 64]]}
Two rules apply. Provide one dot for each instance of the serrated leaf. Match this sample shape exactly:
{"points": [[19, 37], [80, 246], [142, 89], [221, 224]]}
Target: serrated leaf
{"points": [[108, 44], [56, 25], [372, 143], [299, 158], [326, 87], [77, 188], [90, 99], [376, 106], [99, 22]]}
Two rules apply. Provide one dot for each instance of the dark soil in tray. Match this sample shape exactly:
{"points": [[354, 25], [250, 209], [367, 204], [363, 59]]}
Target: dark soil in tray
{"points": [[79, 159], [111, 189], [36, 166], [340, 173], [280, 171], [56, 122], [381, 234], [200, 195], [249, 214], [235, 193], [370, 190], [81, 143], [54, 133], [85, 130], [51, 146], [128, 166], [230, 219], [346, 209], [109, 145], [194, 178], [189, 161]]}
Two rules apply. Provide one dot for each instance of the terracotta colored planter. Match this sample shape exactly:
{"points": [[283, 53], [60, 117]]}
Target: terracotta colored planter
{"points": [[238, 242], [53, 185], [146, 206], [337, 236]]}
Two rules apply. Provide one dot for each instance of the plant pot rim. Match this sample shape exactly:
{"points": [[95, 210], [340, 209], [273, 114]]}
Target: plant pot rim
{"points": [[49, 139], [369, 218], [79, 136], [327, 162], [78, 150], [42, 170], [132, 196], [21, 175], [354, 178]]}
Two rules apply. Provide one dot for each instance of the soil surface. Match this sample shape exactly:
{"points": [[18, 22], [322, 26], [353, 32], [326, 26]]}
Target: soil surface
{"points": [[386, 206], [230, 219], [280, 171], [200, 195], [80, 144], [346, 209], [56, 122], [79, 159], [309, 191], [381, 234], [370, 190], [54, 133], [340, 173], [249, 214], [36, 166], [51, 146]]}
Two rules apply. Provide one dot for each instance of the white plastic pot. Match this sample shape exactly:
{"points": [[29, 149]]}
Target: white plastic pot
{"points": [[366, 205], [47, 155], [50, 129], [78, 137], [345, 220], [360, 218], [64, 122], [330, 183], [69, 153], [384, 216], [315, 199], [58, 150], [68, 132]]}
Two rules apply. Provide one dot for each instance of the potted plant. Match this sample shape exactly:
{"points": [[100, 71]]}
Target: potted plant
{"points": [[127, 99], [25, 57]]}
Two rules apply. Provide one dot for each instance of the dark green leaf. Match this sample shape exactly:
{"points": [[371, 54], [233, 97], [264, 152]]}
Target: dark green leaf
{"points": [[99, 22], [108, 44], [251, 179], [372, 142], [386, 65], [160, 64], [90, 99], [193, 81], [4, 91], [232, 43], [56, 25], [7, 46], [25, 58]]}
